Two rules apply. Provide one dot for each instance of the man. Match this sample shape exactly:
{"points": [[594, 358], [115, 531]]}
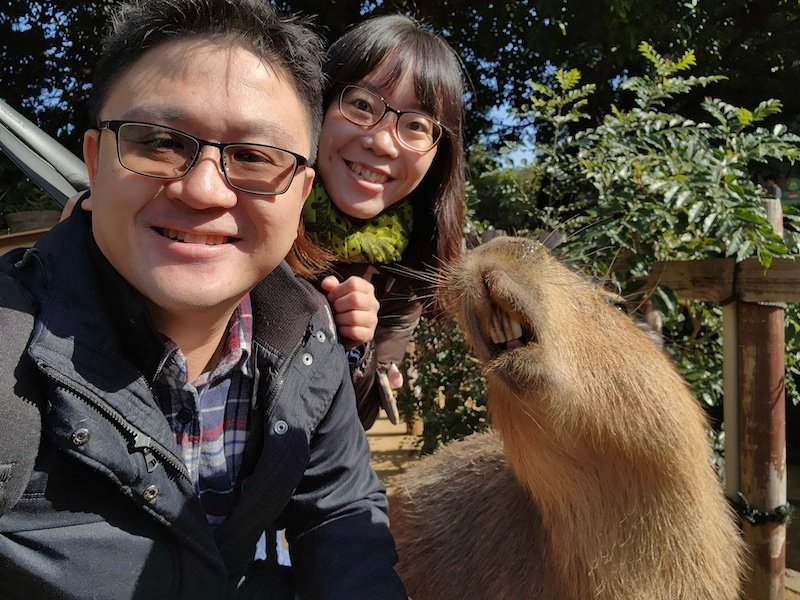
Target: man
{"points": [[191, 391]]}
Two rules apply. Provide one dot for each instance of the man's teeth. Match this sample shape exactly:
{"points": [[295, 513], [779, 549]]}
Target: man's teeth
{"points": [[370, 176], [503, 328], [190, 238]]}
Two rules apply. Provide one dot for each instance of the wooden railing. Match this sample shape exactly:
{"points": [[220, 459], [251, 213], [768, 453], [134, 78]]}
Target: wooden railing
{"points": [[22, 239]]}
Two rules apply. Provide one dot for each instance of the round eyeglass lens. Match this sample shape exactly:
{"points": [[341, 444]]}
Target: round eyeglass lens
{"points": [[366, 108]]}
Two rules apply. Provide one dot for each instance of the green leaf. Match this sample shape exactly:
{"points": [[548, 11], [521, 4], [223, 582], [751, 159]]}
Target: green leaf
{"points": [[687, 61], [694, 211], [568, 79], [744, 116]]}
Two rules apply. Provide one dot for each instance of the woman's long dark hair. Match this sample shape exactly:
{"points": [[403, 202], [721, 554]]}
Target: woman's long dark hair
{"points": [[398, 45]]}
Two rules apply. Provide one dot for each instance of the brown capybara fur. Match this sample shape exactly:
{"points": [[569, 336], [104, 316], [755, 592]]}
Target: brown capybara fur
{"points": [[602, 486]]}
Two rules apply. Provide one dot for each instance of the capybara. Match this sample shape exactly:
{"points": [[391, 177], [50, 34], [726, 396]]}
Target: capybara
{"points": [[598, 481]]}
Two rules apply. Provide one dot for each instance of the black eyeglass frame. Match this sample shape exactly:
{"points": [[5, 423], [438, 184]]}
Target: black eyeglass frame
{"points": [[387, 108], [114, 125]]}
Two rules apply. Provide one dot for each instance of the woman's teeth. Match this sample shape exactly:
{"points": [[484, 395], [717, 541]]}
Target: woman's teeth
{"points": [[190, 238], [370, 176]]}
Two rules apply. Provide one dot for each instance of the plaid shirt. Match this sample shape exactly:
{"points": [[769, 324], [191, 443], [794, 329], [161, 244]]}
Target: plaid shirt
{"points": [[209, 416]]}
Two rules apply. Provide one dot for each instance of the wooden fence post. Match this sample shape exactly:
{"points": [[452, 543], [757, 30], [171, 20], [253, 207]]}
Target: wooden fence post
{"points": [[762, 440], [730, 396]]}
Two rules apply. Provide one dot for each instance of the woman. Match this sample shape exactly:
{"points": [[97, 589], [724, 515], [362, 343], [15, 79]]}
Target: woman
{"points": [[390, 191]]}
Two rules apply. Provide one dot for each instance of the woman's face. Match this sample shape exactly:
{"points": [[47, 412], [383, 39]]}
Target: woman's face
{"points": [[366, 170]]}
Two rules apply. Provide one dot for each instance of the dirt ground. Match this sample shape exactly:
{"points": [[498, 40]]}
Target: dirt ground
{"points": [[792, 585], [393, 451]]}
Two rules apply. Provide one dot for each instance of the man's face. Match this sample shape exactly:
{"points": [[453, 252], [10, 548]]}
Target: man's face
{"points": [[195, 245]]}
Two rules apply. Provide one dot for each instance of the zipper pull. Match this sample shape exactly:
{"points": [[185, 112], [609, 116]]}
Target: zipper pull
{"points": [[141, 442]]}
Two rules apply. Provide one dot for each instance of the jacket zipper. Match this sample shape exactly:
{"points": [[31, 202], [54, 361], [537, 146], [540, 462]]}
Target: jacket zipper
{"points": [[152, 451], [280, 378]]}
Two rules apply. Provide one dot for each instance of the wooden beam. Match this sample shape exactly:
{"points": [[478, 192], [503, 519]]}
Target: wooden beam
{"points": [[720, 280], [710, 280], [23, 239], [779, 284]]}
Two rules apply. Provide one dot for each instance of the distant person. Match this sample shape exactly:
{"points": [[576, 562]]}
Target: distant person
{"points": [[190, 388], [772, 187]]}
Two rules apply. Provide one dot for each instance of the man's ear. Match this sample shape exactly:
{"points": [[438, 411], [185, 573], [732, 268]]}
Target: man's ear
{"points": [[91, 153], [308, 181]]}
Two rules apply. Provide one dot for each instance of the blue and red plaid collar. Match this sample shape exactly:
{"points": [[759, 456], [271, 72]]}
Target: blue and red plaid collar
{"points": [[235, 354]]}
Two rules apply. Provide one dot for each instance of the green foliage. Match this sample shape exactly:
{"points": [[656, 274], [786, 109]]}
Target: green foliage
{"points": [[446, 389], [561, 106], [652, 90], [47, 48], [692, 329], [646, 171], [650, 185], [501, 196]]}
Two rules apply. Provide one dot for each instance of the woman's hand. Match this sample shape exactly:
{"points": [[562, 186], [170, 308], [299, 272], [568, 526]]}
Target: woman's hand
{"points": [[355, 309]]}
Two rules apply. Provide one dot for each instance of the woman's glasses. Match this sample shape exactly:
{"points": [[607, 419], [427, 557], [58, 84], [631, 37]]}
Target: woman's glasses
{"points": [[166, 153], [366, 108]]}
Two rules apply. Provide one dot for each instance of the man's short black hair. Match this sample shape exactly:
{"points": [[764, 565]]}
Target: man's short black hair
{"points": [[281, 41]]}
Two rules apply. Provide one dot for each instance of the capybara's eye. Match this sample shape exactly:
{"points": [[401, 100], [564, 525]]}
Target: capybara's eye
{"points": [[617, 302]]}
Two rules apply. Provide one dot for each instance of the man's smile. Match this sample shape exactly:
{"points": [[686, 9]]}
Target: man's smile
{"points": [[192, 238]]}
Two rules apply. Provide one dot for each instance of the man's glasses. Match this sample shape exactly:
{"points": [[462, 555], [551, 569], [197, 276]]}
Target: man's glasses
{"points": [[366, 108], [166, 153]]}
